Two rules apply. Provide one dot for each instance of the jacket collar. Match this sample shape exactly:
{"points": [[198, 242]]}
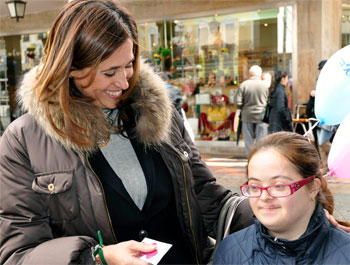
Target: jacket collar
{"points": [[304, 246], [151, 101]]}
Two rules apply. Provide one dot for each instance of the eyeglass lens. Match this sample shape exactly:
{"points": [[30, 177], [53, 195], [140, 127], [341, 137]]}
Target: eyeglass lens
{"points": [[279, 190], [275, 190]]}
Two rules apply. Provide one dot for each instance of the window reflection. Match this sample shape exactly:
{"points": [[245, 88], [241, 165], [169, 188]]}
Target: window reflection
{"points": [[345, 25]]}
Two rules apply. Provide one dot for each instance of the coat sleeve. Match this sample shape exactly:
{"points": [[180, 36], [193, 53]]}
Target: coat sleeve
{"points": [[285, 114], [310, 109], [26, 235], [279, 95], [239, 98], [235, 249], [212, 196]]}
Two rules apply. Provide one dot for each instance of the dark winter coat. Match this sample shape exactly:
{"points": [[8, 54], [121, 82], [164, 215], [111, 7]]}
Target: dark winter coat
{"points": [[321, 244], [280, 116], [52, 202], [310, 108]]}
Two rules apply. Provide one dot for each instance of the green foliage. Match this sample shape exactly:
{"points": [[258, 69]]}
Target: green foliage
{"points": [[159, 53]]}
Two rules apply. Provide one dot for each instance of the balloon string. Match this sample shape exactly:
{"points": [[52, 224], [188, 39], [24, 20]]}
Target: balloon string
{"points": [[307, 134]]}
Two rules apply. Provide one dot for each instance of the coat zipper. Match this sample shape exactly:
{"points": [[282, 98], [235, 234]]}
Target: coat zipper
{"points": [[188, 205], [104, 199]]}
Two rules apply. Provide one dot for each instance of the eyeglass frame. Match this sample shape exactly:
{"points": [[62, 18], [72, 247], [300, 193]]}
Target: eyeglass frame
{"points": [[293, 187]]}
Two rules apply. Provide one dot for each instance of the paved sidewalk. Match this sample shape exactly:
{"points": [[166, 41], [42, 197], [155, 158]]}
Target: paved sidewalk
{"points": [[231, 173]]}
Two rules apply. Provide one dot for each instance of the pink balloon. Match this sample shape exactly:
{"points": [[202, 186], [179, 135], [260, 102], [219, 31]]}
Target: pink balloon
{"points": [[339, 155]]}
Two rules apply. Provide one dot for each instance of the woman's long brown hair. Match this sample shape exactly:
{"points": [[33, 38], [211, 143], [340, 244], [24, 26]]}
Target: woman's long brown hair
{"points": [[84, 33], [304, 156]]}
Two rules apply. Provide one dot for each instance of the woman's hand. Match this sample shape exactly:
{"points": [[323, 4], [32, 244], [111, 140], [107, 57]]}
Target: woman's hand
{"points": [[126, 253], [334, 222]]}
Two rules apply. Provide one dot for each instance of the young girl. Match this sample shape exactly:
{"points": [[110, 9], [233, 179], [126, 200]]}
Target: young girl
{"points": [[288, 196]]}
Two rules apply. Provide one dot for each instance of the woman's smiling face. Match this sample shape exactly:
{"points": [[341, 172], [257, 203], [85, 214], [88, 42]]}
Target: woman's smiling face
{"points": [[285, 217], [111, 77]]}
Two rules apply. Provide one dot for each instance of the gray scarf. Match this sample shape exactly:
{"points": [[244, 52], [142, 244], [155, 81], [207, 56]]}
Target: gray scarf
{"points": [[122, 158]]}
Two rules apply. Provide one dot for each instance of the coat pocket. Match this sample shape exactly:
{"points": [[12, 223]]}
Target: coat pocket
{"points": [[58, 193]]}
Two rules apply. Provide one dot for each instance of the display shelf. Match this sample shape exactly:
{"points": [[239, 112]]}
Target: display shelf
{"points": [[4, 100]]}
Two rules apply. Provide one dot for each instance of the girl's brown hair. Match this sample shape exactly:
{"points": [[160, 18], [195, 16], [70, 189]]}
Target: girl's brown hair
{"points": [[84, 33], [303, 155]]}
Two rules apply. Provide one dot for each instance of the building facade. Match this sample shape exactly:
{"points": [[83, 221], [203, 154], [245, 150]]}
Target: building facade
{"points": [[207, 46]]}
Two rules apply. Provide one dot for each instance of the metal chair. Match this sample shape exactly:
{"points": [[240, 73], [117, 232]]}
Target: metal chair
{"points": [[298, 109]]}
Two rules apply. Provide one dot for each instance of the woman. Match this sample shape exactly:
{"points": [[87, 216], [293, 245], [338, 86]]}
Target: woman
{"points": [[101, 149], [280, 118], [287, 194]]}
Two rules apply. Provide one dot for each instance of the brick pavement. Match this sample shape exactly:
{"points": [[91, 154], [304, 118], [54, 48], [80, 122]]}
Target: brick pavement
{"points": [[228, 171]]}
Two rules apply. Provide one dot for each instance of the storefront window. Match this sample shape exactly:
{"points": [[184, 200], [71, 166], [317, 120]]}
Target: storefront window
{"points": [[211, 56], [345, 25], [225, 45], [3, 62], [4, 95], [32, 49], [18, 54]]}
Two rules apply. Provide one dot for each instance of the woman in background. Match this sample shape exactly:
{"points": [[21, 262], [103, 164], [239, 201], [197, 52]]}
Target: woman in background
{"points": [[288, 196], [280, 116]]}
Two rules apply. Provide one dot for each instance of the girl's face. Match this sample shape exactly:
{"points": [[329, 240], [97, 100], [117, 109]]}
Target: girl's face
{"points": [[285, 217], [111, 77]]}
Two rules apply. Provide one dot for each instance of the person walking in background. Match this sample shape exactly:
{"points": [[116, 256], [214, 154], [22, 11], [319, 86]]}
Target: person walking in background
{"points": [[101, 148], [266, 78], [176, 98], [288, 196], [251, 98], [323, 134], [310, 108], [310, 112], [174, 92], [280, 116]]}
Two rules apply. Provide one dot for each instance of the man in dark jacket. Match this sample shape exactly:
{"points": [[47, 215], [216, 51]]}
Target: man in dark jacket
{"points": [[310, 109], [324, 134]]}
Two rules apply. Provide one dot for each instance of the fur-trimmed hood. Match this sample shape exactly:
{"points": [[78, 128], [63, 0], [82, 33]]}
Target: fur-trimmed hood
{"points": [[151, 100]]}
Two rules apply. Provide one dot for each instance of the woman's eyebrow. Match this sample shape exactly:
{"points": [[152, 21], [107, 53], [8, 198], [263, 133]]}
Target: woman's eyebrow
{"points": [[282, 177], [111, 68], [254, 179], [116, 67], [273, 178]]}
